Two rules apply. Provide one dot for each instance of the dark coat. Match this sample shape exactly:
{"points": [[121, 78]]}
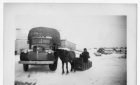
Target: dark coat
{"points": [[85, 56]]}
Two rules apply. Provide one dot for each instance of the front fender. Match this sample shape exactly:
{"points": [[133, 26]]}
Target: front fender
{"points": [[24, 56]]}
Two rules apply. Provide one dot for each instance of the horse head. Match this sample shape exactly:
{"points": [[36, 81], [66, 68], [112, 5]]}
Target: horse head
{"points": [[61, 52]]}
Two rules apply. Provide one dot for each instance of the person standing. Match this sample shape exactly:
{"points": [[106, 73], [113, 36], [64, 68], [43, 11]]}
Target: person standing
{"points": [[85, 55]]}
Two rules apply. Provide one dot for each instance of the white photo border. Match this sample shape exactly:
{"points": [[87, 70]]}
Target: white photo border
{"points": [[129, 10]]}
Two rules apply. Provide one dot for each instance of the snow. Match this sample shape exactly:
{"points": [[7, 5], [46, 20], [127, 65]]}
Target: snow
{"points": [[105, 70]]}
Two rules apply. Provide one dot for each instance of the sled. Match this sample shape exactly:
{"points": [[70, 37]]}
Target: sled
{"points": [[81, 66]]}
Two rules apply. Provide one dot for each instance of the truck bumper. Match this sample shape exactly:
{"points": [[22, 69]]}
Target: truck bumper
{"points": [[36, 62]]}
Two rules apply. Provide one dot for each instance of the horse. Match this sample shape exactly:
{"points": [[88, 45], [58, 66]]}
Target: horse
{"points": [[67, 56]]}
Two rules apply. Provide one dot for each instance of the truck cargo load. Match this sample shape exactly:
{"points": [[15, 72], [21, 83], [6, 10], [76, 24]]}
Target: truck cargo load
{"points": [[44, 31]]}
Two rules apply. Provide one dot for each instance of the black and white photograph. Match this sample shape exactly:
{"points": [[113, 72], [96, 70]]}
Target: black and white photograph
{"points": [[71, 44]]}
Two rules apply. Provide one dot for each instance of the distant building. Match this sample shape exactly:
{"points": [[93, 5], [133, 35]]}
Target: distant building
{"points": [[68, 44], [20, 44]]}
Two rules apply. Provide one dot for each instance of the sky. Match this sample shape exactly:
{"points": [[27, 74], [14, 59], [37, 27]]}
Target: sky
{"points": [[85, 30]]}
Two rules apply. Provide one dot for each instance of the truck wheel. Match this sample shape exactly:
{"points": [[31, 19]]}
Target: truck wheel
{"points": [[25, 67], [53, 67]]}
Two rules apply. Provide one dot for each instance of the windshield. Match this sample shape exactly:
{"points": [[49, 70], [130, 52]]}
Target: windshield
{"points": [[40, 40], [46, 41], [36, 40]]}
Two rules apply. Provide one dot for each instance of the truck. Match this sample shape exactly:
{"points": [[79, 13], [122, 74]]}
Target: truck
{"points": [[43, 44]]}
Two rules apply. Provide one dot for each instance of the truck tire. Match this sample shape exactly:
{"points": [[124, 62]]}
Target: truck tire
{"points": [[53, 67], [25, 67]]}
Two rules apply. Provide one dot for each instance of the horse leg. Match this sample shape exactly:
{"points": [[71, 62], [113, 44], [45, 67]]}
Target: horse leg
{"points": [[71, 66], [63, 68], [67, 67], [74, 66]]}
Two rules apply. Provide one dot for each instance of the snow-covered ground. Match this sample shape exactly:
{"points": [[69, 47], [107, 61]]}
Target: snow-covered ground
{"points": [[105, 70]]}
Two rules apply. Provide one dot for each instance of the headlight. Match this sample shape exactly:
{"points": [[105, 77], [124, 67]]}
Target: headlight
{"points": [[29, 50], [49, 51], [24, 50]]}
